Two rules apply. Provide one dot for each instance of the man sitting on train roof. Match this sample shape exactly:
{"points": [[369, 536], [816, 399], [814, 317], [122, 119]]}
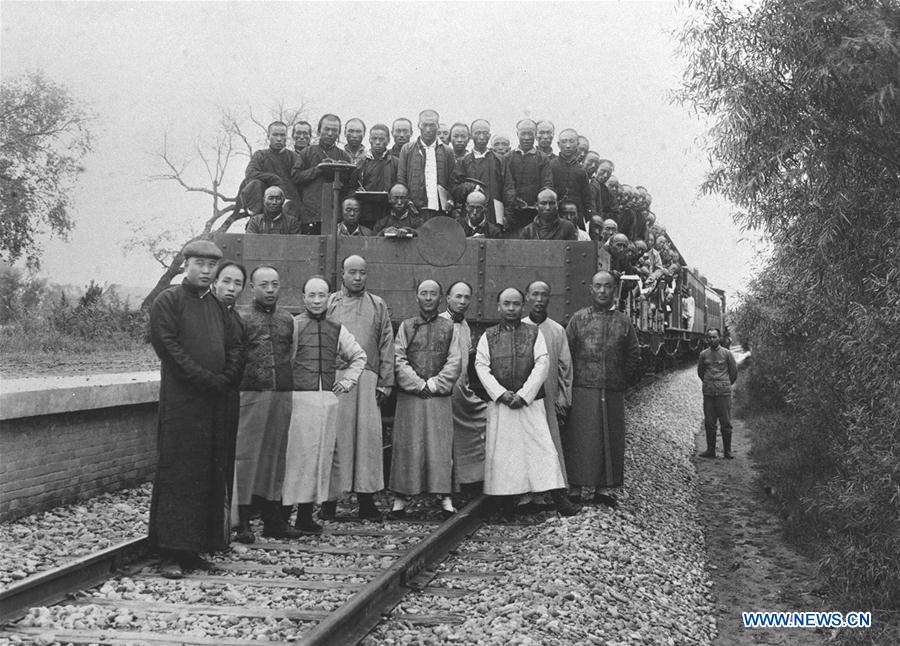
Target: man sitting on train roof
{"points": [[311, 179], [568, 210], [474, 222], [459, 140], [483, 167], [403, 219], [349, 225], [376, 172], [547, 225], [270, 167], [425, 167], [604, 197], [273, 219], [583, 147], [591, 164]]}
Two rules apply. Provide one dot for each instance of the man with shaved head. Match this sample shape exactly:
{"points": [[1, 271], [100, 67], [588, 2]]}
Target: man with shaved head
{"points": [[403, 219], [512, 364], [604, 200], [266, 393], [529, 169], [444, 133], [474, 221], [311, 179], [545, 133], [469, 410], [358, 465], [354, 131], [558, 384], [569, 177], [268, 168], [500, 145], [605, 356], [484, 170], [349, 225], [273, 219], [426, 366], [425, 167], [583, 147], [376, 172], [320, 344], [547, 225]]}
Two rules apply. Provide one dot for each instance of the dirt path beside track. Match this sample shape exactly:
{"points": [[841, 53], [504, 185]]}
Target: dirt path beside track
{"points": [[750, 563]]}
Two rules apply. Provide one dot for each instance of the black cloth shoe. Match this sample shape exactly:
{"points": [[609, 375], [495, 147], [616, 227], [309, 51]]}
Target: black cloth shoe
{"points": [[727, 455], [171, 569], [305, 522], [280, 530], [397, 514], [367, 508], [197, 562], [708, 453], [244, 533], [564, 506], [328, 510], [605, 499]]}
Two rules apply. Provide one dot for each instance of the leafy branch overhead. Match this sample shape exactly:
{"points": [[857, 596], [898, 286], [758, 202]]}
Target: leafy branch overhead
{"points": [[44, 136]]}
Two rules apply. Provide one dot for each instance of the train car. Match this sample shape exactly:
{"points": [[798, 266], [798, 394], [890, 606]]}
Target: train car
{"points": [[442, 252]]}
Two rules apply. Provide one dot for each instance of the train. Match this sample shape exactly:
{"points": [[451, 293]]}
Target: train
{"points": [[441, 251]]}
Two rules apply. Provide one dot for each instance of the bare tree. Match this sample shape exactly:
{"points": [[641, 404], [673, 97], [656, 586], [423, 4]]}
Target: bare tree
{"points": [[238, 135]]}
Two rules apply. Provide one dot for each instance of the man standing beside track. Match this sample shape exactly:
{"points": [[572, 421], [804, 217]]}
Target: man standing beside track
{"points": [[717, 370], [605, 355], [358, 462], [426, 364], [266, 391], [199, 347], [318, 342], [558, 385], [469, 411], [520, 456]]}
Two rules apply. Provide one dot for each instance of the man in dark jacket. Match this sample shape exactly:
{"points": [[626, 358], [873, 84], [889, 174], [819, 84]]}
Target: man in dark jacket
{"points": [[273, 219], [548, 225], [529, 169], [425, 168], [311, 179], [605, 355], [201, 355], [717, 370], [569, 178], [489, 172], [401, 131], [474, 222], [376, 172], [270, 167]]}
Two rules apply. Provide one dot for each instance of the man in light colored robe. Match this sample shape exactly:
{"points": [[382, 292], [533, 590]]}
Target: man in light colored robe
{"points": [[319, 342], [469, 410], [358, 463], [426, 365], [520, 456]]}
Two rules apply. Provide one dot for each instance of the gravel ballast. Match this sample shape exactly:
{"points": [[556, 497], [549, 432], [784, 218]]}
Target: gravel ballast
{"points": [[630, 576]]}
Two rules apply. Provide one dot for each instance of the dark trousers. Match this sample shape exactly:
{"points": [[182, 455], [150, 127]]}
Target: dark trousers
{"points": [[717, 409]]}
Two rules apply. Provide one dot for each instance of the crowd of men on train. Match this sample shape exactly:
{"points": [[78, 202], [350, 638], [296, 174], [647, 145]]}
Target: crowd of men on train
{"points": [[272, 412], [490, 188]]}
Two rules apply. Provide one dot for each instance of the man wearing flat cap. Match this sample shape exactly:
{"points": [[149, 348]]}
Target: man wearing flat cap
{"points": [[201, 354]]}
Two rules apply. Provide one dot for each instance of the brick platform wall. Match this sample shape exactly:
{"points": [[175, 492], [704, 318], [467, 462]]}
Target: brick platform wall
{"points": [[49, 460]]}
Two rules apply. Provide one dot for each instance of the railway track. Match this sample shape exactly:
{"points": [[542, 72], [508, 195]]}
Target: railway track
{"points": [[327, 589]]}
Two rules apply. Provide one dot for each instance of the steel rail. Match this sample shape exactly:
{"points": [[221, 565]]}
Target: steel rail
{"points": [[365, 610], [52, 586]]}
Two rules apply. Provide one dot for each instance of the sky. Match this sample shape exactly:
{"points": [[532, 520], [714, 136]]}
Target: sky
{"points": [[149, 70]]}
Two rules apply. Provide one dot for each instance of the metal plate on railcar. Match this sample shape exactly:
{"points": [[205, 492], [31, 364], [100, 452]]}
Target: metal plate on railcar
{"points": [[442, 242]]}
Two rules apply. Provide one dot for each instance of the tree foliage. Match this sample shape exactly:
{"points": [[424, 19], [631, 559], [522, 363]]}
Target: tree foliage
{"points": [[43, 138], [803, 98]]}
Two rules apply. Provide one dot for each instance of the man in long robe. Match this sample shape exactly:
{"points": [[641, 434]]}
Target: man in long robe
{"points": [[201, 356], [558, 384], [266, 392], [605, 355], [469, 410], [358, 460], [520, 456], [426, 366], [318, 342]]}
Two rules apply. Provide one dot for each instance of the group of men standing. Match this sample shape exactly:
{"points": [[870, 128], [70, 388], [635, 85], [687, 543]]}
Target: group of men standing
{"points": [[438, 172], [275, 410]]}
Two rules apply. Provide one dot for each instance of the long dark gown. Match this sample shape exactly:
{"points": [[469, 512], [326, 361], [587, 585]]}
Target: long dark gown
{"points": [[199, 345]]}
